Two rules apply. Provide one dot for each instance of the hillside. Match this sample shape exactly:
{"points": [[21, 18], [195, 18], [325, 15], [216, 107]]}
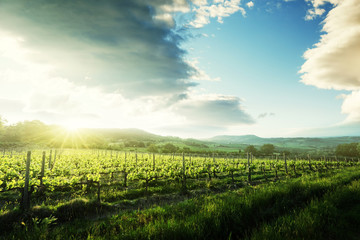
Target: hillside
{"points": [[116, 134], [301, 143]]}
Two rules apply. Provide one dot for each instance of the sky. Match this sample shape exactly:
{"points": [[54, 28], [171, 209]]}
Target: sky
{"points": [[187, 68]]}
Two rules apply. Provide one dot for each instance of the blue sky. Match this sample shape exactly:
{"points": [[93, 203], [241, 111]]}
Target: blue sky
{"points": [[186, 68], [258, 58]]}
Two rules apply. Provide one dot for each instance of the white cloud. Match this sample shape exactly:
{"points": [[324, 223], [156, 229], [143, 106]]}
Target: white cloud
{"points": [[199, 2], [333, 63], [317, 9], [200, 75], [216, 9], [351, 107], [313, 13], [250, 4], [172, 6]]}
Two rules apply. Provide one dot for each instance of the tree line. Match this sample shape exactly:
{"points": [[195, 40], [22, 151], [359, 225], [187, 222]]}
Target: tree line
{"points": [[348, 150], [30, 133]]}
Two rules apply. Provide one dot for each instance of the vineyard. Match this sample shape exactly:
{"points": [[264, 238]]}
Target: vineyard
{"points": [[82, 172], [128, 181]]}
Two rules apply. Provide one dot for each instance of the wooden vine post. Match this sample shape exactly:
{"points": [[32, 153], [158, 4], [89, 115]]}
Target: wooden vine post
{"points": [[26, 199], [50, 159], [125, 173], [249, 169], [153, 161], [309, 162], [184, 173], [42, 168], [53, 164], [214, 162], [98, 191], [156, 175], [136, 158], [286, 170]]}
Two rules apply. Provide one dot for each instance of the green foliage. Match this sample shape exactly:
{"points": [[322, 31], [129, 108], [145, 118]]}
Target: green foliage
{"points": [[169, 148], [37, 133], [153, 175], [336, 214], [290, 210], [348, 150], [251, 149], [79, 208], [195, 143], [152, 148], [186, 150], [133, 143], [267, 149]]}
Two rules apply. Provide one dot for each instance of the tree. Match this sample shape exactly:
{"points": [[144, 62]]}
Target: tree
{"points": [[169, 148], [267, 149], [251, 149], [347, 150], [186, 150], [152, 148], [133, 143]]}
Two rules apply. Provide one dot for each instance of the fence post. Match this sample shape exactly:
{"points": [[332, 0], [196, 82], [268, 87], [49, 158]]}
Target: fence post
{"points": [[214, 162], [125, 160], [153, 161], [98, 192], [26, 200], [286, 170], [125, 172], [42, 168], [53, 164], [249, 169], [184, 174], [50, 159], [136, 158]]}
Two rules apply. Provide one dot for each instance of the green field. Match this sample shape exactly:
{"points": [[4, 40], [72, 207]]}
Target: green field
{"points": [[92, 194]]}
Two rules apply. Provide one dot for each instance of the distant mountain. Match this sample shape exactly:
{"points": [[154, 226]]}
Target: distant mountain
{"points": [[116, 134], [243, 139], [132, 134], [303, 143]]}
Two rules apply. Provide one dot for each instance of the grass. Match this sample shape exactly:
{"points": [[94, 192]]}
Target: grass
{"points": [[280, 210], [335, 216]]}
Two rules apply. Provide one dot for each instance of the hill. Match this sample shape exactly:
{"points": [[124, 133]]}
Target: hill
{"points": [[298, 143]]}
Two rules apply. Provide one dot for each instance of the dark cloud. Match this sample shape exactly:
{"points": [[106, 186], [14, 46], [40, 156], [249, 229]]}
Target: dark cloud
{"points": [[264, 115], [214, 111], [121, 46]]}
